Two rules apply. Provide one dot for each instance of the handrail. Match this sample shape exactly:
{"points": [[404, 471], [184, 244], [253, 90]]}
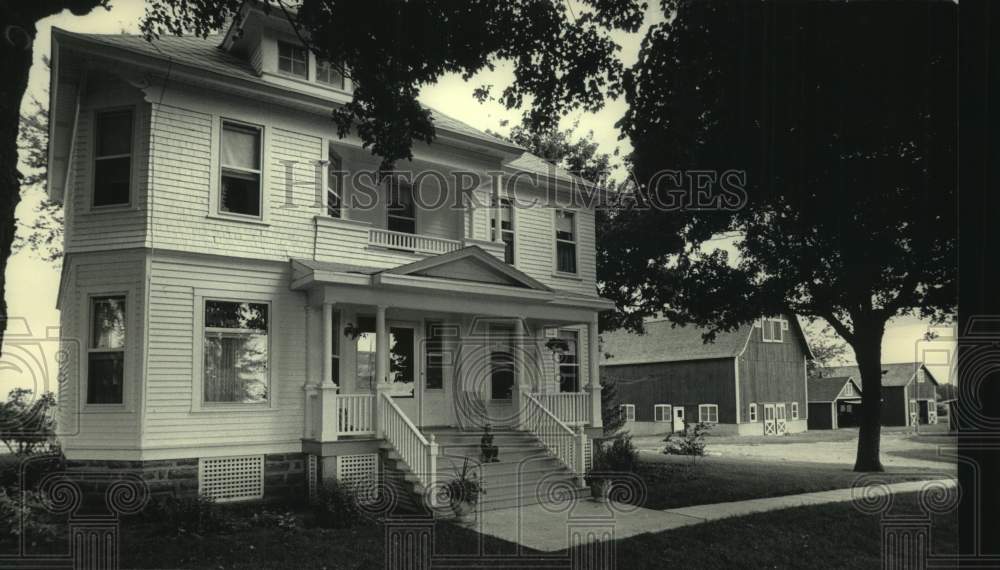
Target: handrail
{"points": [[354, 414], [572, 408], [419, 454], [557, 437]]}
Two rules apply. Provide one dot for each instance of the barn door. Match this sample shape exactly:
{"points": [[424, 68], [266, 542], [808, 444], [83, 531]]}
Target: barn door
{"points": [[769, 426], [779, 420]]}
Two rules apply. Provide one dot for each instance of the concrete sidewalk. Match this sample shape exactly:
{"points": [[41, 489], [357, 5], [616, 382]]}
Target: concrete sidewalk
{"points": [[549, 528]]}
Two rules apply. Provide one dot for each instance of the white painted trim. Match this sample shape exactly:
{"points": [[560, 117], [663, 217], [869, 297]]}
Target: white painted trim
{"points": [[200, 295], [215, 182], [130, 370], [736, 377], [555, 243], [706, 407], [91, 163], [670, 413], [451, 285]]}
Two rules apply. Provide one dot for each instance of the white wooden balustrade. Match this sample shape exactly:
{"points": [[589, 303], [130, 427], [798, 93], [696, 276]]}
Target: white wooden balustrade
{"points": [[419, 454], [417, 243], [572, 408], [354, 413], [559, 439]]}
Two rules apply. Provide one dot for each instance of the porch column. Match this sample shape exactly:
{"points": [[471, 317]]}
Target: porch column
{"points": [[594, 360], [328, 390], [495, 210], [311, 385], [381, 364], [520, 370]]}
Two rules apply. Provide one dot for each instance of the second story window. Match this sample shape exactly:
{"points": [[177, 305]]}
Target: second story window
{"points": [[772, 330], [334, 185], [293, 60], [113, 158], [402, 213], [329, 74], [565, 241], [506, 215], [240, 161]]}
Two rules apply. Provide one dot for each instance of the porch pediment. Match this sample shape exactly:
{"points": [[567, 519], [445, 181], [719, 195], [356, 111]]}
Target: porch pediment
{"points": [[469, 264]]}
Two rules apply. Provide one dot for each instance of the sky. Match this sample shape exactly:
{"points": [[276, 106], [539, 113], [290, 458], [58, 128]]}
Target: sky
{"points": [[32, 284]]}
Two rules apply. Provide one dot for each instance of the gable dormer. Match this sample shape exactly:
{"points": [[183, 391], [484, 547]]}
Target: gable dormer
{"points": [[270, 44]]}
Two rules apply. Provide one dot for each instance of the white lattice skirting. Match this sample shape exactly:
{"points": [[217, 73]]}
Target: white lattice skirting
{"points": [[359, 473], [231, 478]]}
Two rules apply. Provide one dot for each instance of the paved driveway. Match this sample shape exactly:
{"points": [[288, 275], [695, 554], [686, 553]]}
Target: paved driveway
{"points": [[899, 448]]}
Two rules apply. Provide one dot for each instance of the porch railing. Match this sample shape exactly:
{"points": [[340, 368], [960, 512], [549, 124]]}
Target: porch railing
{"points": [[354, 414], [572, 408], [567, 446], [419, 454], [379, 237]]}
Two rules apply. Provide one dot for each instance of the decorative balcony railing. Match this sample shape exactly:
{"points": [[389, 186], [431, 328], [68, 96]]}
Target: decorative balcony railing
{"points": [[416, 243]]}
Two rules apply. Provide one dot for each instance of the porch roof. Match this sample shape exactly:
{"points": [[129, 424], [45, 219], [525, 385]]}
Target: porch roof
{"points": [[469, 272]]}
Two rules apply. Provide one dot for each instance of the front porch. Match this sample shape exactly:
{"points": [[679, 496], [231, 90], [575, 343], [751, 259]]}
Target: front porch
{"points": [[396, 355]]}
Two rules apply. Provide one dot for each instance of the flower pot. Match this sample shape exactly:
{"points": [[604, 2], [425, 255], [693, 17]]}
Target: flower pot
{"points": [[464, 511], [599, 491]]}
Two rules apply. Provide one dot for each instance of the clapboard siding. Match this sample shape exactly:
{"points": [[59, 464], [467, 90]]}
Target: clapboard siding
{"points": [[110, 228], [773, 372], [686, 383], [171, 421], [82, 427]]}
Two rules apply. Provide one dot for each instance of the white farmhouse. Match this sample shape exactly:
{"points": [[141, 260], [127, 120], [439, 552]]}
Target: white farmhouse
{"points": [[248, 310]]}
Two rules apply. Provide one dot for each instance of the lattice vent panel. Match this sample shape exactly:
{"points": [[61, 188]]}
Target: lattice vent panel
{"points": [[360, 473], [231, 478]]}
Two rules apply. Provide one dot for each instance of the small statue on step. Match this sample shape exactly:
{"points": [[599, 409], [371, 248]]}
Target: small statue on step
{"points": [[489, 453]]}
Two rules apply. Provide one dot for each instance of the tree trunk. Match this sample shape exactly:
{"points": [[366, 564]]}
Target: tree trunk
{"points": [[868, 351], [15, 63]]}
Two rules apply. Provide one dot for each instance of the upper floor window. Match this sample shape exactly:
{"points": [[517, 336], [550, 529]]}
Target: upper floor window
{"points": [[329, 74], [506, 215], [293, 59], [106, 351], [334, 185], [565, 241], [569, 363], [236, 352], [773, 329], [402, 213], [240, 164], [113, 158]]}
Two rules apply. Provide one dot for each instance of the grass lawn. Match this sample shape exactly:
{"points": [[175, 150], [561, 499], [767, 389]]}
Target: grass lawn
{"points": [[824, 536], [676, 482]]}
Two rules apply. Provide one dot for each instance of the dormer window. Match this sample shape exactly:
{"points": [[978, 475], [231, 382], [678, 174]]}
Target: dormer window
{"points": [[773, 329], [329, 74], [293, 60]]}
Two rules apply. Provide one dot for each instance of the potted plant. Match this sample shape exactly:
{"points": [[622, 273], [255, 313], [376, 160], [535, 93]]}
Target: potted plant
{"points": [[598, 477], [464, 491]]}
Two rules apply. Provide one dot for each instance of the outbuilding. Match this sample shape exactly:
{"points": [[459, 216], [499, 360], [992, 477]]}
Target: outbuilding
{"points": [[834, 402]]}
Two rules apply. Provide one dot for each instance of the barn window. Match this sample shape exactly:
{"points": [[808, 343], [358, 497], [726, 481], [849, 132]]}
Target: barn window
{"points": [[795, 410], [772, 329], [628, 410], [848, 389], [662, 413], [753, 412], [708, 413]]}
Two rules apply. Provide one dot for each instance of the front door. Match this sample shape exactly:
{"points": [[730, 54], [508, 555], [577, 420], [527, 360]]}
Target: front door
{"points": [[501, 375], [779, 419], [403, 369], [769, 424], [679, 419]]}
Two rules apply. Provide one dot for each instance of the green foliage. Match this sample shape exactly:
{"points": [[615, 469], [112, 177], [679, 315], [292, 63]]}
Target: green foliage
{"points": [[612, 415], [25, 514], [465, 487], [27, 425], [615, 458], [199, 516], [562, 59], [690, 442], [828, 350], [337, 506]]}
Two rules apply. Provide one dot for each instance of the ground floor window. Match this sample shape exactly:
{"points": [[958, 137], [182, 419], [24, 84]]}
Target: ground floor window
{"points": [[795, 410], [753, 412], [569, 363], [661, 413], [628, 411], [708, 413], [236, 352], [106, 351]]}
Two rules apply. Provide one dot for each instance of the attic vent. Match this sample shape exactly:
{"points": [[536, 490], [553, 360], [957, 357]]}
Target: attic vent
{"points": [[231, 478], [360, 473]]}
